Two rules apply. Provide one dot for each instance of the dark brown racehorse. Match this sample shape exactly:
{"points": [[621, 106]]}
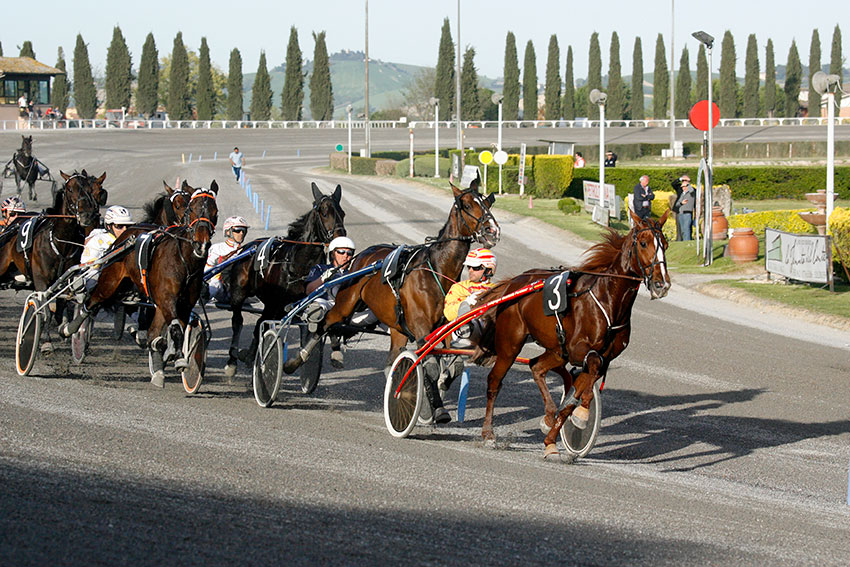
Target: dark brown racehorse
{"points": [[26, 167], [168, 208], [172, 282], [595, 328], [431, 271], [290, 259]]}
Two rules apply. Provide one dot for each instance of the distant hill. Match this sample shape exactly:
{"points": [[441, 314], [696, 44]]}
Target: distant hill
{"points": [[387, 83]]}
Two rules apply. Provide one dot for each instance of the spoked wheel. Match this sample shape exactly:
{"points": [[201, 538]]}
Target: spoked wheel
{"points": [[579, 442], [195, 343], [402, 406], [268, 368], [311, 370], [29, 334], [80, 339]]}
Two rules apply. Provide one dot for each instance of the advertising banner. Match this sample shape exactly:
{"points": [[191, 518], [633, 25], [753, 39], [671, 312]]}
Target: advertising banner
{"points": [[804, 257]]}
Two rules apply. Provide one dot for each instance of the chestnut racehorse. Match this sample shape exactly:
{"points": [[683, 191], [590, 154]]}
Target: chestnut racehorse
{"points": [[589, 335]]}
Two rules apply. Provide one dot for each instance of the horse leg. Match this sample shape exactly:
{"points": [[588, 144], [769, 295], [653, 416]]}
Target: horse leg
{"points": [[494, 384], [540, 366], [577, 406], [236, 324], [156, 346]]}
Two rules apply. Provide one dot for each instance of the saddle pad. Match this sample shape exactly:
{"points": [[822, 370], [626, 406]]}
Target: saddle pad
{"points": [[556, 293], [392, 269], [145, 245], [26, 235], [263, 257]]}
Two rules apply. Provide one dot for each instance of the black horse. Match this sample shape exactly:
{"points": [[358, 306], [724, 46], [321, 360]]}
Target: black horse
{"points": [[26, 167], [280, 280]]}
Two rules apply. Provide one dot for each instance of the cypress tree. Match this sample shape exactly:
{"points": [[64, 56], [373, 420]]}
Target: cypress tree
{"points": [[511, 90], [637, 105], [727, 97], [616, 107], [683, 85], [147, 99], [26, 50], [1, 49], [661, 80], [701, 85], [292, 96], [444, 83], [85, 95], [119, 72], [205, 96], [321, 89], [594, 73], [814, 67], [178, 82], [234, 86], [61, 93], [261, 95], [793, 78], [751, 78], [835, 61], [469, 86], [552, 90], [529, 83], [769, 81], [568, 106]]}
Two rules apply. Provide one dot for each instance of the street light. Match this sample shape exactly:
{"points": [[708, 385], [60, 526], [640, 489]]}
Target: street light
{"points": [[497, 98], [598, 97], [708, 41], [368, 129], [348, 110], [436, 102], [828, 84]]}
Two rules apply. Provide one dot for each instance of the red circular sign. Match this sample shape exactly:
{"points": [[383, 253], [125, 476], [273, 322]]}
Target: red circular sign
{"points": [[699, 115]]}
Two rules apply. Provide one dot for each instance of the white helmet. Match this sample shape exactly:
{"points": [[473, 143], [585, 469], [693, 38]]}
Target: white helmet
{"points": [[341, 242], [117, 215], [233, 222], [481, 257]]}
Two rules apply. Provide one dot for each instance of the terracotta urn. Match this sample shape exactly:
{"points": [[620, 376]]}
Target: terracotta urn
{"points": [[743, 246], [719, 224]]}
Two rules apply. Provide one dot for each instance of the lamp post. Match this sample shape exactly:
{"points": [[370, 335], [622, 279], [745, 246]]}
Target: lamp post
{"points": [[827, 84], [599, 98], [348, 110], [368, 123], [672, 79], [497, 98], [436, 102], [708, 40], [457, 91]]}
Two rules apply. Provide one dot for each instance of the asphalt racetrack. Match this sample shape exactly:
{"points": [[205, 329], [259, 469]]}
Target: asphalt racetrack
{"points": [[725, 437]]}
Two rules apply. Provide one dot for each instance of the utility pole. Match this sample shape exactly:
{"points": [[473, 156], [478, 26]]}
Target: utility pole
{"points": [[368, 124]]}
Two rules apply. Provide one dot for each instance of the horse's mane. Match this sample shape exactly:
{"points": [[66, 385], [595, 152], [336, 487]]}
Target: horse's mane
{"points": [[152, 209], [298, 227], [603, 254]]}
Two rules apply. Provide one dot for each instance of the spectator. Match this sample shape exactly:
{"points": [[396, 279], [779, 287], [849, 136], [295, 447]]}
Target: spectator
{"points": [[643, 197], [610, 159], [237, 160], [579, 160], [684, 207]]}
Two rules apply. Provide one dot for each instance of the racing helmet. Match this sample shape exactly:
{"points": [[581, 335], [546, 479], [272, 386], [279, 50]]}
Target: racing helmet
{"points": [[13, 204], [341, 242], [481, 257], [117, 215], [234, 222]]}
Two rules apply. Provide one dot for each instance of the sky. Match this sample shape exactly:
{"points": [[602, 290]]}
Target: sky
{"points": [[403, 31]]}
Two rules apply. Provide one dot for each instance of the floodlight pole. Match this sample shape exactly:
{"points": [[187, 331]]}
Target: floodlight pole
{"points": [[602, 149], [368, 123], [672, 79], [457, 91], [830, 154], [436, 102], [348, 110]]}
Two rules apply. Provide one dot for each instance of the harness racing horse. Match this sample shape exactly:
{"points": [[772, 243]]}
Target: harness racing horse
{"points": [[26, 167], [171, 277], [168, 208], [591, 331], [414, 309], [276, 273]]}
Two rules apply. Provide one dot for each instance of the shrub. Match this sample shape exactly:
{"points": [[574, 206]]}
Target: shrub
{"points": [[784, 220], [385, 166], [339, 160], [423, 166], [839, 228], [552, 175], [363, 166], [402, 168], [570, 206]]}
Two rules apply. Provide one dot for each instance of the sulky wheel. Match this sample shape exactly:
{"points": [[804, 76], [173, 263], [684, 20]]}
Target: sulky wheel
{"points": [[311, 370], [403, 398], [268, 368], [29, 334], [195, 343], [579, 442]]}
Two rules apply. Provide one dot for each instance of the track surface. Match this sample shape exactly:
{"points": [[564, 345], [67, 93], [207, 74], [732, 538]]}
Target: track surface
{"points": [[724, 439]]}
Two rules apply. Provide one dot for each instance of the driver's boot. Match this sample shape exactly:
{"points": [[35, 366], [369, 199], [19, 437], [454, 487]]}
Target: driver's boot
{"points": [[296, 361], [68, 329]]}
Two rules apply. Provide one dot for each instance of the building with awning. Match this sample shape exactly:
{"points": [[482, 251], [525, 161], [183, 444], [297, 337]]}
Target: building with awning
{"points": [[24, 75]]}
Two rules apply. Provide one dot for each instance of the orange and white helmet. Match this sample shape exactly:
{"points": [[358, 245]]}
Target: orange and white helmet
{"points": [[14, 204], [481, 257], [233, 222]]}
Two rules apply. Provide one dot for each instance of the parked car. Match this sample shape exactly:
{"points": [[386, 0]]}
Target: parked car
{"points": [[159, 120]]}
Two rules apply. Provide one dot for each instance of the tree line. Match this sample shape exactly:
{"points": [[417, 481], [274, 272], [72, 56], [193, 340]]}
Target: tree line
{"points": [[186, 84]]}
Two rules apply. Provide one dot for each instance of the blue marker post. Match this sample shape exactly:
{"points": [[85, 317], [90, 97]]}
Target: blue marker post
{"points": [[268, 216], [215, 156], [461, 396], [190, 158], [200, 157], [250, 197], [298, 153], [262, 208], [264, 154]]}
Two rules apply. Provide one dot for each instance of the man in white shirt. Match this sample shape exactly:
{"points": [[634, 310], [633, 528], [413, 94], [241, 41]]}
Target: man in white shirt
{"points": [[237, 160]]}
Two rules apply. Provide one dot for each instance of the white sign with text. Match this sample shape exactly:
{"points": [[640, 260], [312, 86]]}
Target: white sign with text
{"points": [[594, 196], [804, 257]]}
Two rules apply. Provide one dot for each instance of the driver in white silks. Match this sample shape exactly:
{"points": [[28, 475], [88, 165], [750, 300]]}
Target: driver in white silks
{"points": [[235, 230], [115, 222]]}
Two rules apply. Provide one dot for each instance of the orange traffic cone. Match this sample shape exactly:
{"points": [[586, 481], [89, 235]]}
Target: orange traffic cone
{"points": [[530, 203]]}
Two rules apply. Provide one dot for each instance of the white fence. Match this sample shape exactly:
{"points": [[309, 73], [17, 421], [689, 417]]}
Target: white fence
{"points": [[360, 124]]}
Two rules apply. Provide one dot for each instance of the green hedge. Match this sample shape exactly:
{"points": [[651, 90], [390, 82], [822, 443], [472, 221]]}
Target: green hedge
{"points": [[363, 166], [570, 206], [552, 175], [756, 182]]}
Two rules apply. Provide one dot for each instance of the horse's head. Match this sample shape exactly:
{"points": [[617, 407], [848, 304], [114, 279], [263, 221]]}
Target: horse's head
{"points": [[475, 219], [76, 198], [26, 146], [328, 214], [176, 202], [98, 192], [648, 257], [201, 216]]}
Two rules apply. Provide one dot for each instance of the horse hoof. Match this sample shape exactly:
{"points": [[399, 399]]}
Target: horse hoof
{"points": [[158, 379], [490, 443], [543, 427], [181, 363], [46, 348], [230, 370], [551, 451], [244, 355], [579, 417]]}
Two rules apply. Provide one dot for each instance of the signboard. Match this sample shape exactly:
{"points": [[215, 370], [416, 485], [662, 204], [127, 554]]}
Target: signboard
{"points": [[522, 170], [485, 157], [470, 174], [501, 157], [339, 147], [804, 257], [455, 166], [594, 196], [600, 215], [698, 115]]}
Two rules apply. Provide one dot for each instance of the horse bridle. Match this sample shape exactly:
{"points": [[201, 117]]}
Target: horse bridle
{"points": [[484, 219], [201, 220], [327, 235], [170, 214], [82, 195], [646, 270]]}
